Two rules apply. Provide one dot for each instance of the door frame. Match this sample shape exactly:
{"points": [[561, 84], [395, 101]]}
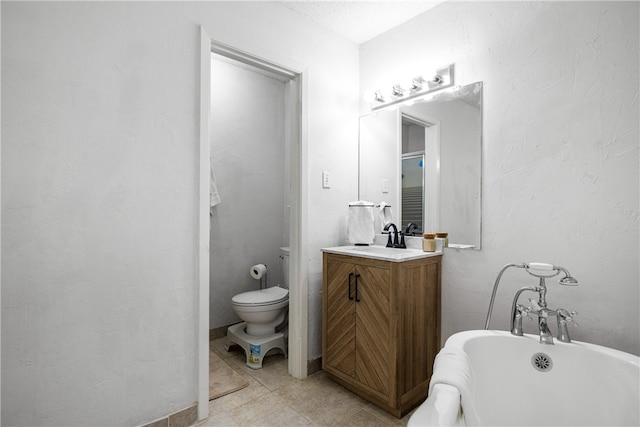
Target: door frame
{"points": [[431, 190], [296, 133]]}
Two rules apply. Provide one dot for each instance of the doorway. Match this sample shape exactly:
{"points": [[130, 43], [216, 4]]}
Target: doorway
{"points": [[250, 163], [294, 136]]}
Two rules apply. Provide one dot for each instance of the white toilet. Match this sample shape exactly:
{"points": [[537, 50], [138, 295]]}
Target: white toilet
{"points": [[262, 311]]}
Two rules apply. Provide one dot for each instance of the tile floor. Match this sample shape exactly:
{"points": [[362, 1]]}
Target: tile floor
{"points": [[274, 398]]}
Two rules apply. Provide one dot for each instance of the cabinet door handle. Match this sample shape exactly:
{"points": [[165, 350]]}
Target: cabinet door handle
{"points": [[357, 299], [349, 291]]}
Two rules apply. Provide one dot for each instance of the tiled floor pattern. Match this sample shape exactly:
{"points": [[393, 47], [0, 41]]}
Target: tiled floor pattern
{"points": [[274, 398]]}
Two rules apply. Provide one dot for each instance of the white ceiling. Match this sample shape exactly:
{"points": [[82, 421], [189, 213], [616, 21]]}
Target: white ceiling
{"points": [[360, 21]]}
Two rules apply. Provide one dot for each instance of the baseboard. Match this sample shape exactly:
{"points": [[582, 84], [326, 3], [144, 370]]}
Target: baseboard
{"points": [[314, 366], [219, 332], [183, 418]]}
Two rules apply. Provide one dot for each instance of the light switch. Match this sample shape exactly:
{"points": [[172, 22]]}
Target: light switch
{"points": [[326, 179], [385, 185]]}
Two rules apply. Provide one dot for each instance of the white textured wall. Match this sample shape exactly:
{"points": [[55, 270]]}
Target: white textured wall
{"points": [[379, 145], [99, 151], [412, 138], [99, 191], [560, 178]]}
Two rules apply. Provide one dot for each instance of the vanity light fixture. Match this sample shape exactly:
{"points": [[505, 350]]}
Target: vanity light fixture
{"points": [[411, 89], [373, 95], [397, 91], [412, 85]]}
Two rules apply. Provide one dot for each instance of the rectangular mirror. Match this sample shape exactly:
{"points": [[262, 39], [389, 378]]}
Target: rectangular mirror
{"points": [[425, 160]]}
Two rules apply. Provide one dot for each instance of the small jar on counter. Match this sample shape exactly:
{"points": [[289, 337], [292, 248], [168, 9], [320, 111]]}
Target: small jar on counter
{"points": [[428, 242], [445, 237]]}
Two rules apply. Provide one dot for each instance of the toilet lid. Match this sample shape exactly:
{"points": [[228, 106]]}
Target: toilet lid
{"points": [[270, 295]]}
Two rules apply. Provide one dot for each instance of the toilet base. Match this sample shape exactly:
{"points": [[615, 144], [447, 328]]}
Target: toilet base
{"points": [[255, 348]]}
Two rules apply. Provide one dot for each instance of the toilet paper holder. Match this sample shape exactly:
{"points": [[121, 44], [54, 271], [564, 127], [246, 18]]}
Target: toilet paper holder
{"points": [[259, 272]]}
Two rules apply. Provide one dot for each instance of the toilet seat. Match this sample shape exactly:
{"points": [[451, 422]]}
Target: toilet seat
{"points": [[262, 297]]}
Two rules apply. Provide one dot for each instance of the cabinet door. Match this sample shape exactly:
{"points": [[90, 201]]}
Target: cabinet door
{"points": [[373, 327], [340, 312]]}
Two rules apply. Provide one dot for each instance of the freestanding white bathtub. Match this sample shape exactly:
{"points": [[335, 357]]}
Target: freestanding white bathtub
{"points": [[517, 381]]}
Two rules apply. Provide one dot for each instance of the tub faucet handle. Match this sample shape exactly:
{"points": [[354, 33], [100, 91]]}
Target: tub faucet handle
{"points": [[565, 317], [523, 311], [519, 313]]}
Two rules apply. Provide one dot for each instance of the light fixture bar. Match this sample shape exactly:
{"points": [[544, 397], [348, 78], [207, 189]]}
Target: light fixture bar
{"points": [[442, 79]]}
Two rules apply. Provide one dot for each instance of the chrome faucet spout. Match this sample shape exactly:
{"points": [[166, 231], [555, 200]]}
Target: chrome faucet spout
{"points": [[543, 312], [545, 333]]}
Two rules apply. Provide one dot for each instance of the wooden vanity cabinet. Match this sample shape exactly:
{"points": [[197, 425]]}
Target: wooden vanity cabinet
{"points": [[381, 327]]}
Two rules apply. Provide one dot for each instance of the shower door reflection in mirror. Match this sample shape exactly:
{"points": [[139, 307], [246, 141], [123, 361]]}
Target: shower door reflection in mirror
{"points": [[413, 190]]}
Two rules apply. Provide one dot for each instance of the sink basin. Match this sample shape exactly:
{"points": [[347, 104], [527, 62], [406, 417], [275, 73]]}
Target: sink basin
{"points": [[381, 252]]}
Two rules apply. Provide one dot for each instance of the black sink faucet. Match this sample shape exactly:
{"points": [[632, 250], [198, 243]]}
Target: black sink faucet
{"points": [[411, 226], [395, 243]]}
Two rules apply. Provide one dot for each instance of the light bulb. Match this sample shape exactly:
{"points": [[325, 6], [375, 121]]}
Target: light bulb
{"points": [[369, 95], [393, 92], [372, 96], [410, 85]]}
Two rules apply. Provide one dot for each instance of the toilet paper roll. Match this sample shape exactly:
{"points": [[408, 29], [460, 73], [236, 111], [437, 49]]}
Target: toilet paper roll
{"points": [[258, 270]]}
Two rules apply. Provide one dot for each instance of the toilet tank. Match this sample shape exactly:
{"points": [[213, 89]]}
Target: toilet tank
{"points": [[284, 254]]}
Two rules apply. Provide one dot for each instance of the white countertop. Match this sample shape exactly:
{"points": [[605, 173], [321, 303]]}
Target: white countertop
{"points": [[381, 252]]}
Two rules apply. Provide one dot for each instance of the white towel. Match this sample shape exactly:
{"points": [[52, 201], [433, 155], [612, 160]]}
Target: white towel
{"points": [[361, 223], [452, 367], [384, 217], [214, 196]]}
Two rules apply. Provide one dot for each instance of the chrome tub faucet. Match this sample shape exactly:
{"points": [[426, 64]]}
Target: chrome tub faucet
{"points": [[539, 307]]}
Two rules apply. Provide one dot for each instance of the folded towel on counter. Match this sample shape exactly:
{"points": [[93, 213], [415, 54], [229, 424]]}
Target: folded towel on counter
{"points": [[452, 367]]}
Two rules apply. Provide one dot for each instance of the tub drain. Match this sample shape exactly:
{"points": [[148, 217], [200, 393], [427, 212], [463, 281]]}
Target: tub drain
{"points": [[541, 362]]}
